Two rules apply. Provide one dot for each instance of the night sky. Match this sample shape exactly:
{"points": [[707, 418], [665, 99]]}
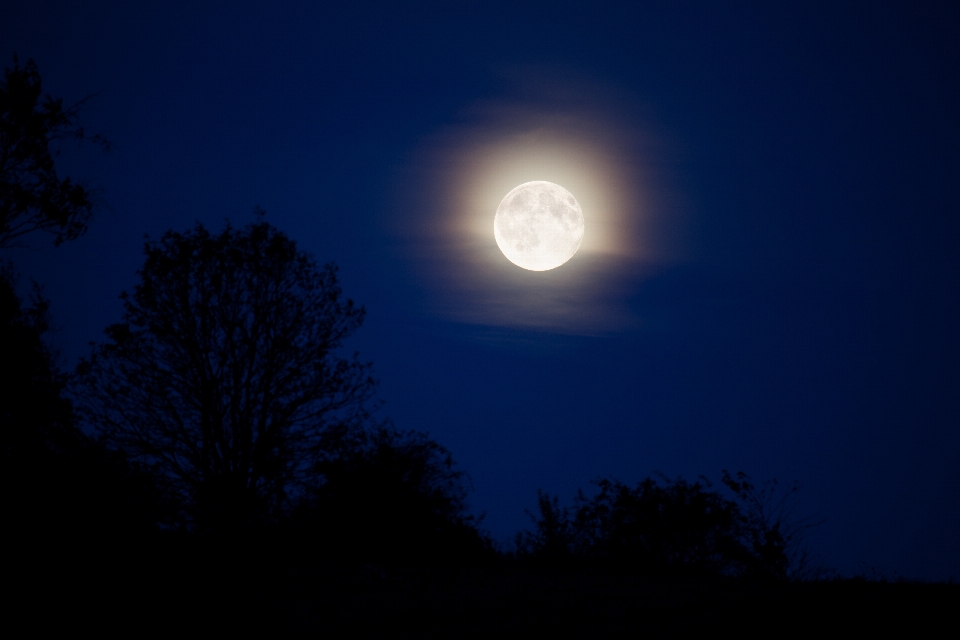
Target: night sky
{"points": [[771, 282]]}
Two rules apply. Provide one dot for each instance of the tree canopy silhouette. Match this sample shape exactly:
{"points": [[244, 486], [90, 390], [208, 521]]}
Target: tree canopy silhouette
{"points": [[32, 373], [32, 196], [392, 496], [223, 376], [57, 486], [670, 526]]}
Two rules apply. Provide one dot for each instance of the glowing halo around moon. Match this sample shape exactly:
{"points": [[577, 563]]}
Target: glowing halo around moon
{"points": [[591, 141], [538, 225]]}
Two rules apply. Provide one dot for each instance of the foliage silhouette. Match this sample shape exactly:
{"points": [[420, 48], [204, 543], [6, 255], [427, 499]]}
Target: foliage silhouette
{"points": [[667, 526], [223, 376], [771, 529], [391, 496], [32, 196], [40, 423], [57, 484], [64, 496]]}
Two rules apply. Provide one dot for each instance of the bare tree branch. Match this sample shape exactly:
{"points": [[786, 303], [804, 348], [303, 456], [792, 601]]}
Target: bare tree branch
{"points": [[223, 375]]}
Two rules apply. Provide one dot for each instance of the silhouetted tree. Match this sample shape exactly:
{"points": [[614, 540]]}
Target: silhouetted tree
{"points": [[391, 496], [673, 525], [32, 196], [59, 489], [223, 376], [554, 538], [651, 528], [770, 526], [55, 482], [33, 412]]}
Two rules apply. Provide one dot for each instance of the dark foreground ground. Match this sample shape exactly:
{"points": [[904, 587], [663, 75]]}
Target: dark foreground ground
{"points": [[217, 592]]}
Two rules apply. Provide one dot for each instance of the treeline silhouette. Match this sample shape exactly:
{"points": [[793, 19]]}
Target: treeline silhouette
{"points": [[216, 464], [664, 526]]}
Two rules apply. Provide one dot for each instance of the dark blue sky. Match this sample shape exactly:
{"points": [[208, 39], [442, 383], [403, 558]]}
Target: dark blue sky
{"points": [[805, 160]]}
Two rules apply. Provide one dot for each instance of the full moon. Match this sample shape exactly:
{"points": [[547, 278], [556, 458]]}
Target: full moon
{"points": [[539, 225]]}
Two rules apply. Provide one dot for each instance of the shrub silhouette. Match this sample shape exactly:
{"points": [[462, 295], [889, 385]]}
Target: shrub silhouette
{"points": [[391, 497], [770, 528], [663, 526]]}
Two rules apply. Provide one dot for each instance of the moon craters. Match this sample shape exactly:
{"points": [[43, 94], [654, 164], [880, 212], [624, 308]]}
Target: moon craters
{"points": [[539, 225]]}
